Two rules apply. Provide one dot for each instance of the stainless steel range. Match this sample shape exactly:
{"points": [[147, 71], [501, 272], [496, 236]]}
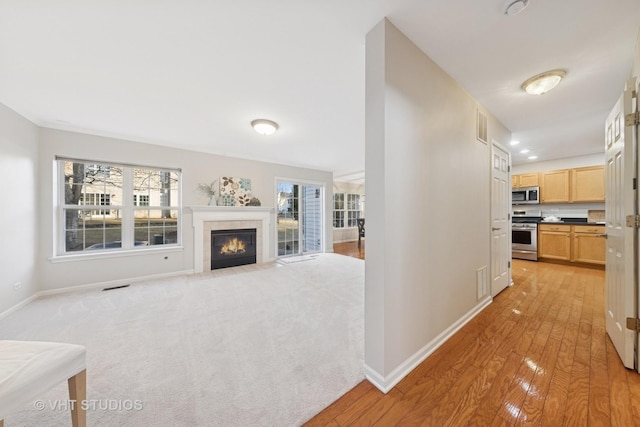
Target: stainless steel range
{"points": [[524, 234]]}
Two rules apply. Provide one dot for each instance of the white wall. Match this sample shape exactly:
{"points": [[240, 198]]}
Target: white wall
{"points": [[635, 70], [19, 210], [347, 234], [566, 163], [423, 244], [196, 168]]}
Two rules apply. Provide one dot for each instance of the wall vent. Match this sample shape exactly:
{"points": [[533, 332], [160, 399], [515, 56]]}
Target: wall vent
{"points": [[481, 127]]}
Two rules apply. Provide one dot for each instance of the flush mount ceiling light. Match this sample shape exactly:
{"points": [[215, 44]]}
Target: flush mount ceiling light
{"points": [[513, 7], [532, 157], [264, 126], [515, 142], [525, 151], [543, 83]]}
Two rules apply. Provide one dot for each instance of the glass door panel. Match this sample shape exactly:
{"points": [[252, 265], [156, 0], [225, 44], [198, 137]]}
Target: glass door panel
{"points": [[299, 213]]}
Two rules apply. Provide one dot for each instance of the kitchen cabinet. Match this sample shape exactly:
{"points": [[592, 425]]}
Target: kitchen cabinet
{"points": [[576, 243], [554, 241], [587, 184], [554, 186], [589, 244], [525, 180]]}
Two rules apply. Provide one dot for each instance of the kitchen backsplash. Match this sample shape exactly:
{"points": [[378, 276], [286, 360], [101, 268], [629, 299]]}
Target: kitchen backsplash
{"points": [[573, 210]]}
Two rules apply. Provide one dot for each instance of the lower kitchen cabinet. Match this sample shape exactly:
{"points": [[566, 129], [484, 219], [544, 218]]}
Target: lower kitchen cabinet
{"points": [[554, 241], [589, 244], [577, 243]]}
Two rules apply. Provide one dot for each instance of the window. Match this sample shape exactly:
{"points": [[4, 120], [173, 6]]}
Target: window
{"points": [[338, 210], [96, 199], [143, 206], [140, 200], [353, 209], [346, 210]]}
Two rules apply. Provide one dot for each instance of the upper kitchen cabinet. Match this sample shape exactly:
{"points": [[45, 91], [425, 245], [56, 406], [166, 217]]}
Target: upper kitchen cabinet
{"points": [[525, 180], [587, 184], [554, 186]]}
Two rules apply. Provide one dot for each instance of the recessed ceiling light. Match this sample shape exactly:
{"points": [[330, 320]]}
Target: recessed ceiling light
{"points": [[525, 151], [264, 126], [544, 82], [515, 142], [515, 7], [532, 157]]}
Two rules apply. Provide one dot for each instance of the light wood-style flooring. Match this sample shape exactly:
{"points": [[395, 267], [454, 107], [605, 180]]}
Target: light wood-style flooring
{"points": [[349, 249], [538, 355]]}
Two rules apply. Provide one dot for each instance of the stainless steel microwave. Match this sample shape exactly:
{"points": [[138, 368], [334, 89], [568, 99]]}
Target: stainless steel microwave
{"points": [[525, 196]]}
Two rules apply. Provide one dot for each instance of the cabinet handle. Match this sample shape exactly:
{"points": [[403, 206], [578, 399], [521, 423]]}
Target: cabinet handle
{"points": [[495, 228], [602, 235]]}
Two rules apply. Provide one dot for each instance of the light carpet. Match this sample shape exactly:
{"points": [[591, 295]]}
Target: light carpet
{"points": [[268, 345]]}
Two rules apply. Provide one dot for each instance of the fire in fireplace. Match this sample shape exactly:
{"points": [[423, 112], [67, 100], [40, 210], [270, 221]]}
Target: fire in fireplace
{"points": [[230, 248]]}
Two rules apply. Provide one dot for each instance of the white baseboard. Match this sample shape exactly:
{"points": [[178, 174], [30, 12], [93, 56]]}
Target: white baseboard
{"points": [[111, 283], [386, 383], [18, 306], [90, 286]]}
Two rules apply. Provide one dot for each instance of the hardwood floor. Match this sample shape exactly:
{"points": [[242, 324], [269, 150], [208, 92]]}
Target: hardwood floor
{"points": [[537, 356], [349, 249]]}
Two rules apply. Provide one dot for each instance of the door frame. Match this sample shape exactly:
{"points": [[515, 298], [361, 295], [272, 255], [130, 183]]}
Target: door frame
{"points": [[323, 211], [500, 146]]}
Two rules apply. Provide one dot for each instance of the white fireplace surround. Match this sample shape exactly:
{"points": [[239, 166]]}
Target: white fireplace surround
{"points": [[235, 218]]}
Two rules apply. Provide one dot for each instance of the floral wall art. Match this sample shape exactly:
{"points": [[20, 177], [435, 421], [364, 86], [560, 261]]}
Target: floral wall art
{"points": [[234, 191]]}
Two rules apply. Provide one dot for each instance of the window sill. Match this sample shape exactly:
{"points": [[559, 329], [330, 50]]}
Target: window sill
{"points": [[114, 254]]}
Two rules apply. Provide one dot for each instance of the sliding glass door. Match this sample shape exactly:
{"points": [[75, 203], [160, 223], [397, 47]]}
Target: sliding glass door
{"points": [[300, 213]]}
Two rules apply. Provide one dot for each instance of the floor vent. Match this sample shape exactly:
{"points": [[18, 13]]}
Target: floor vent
{"points": [[481, 128], [115, 287]]}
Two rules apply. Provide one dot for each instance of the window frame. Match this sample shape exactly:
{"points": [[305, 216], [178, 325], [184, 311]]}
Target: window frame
{"points": [[126, 211], [345, 211], [349, 211], [338, 210]]}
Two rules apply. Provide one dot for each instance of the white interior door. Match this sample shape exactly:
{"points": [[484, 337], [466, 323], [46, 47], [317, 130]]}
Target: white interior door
{"points": [[500, 221], [620, 202]]}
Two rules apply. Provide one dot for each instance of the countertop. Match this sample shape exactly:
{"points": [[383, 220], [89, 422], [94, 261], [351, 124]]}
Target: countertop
{"points": [[572, 222]]}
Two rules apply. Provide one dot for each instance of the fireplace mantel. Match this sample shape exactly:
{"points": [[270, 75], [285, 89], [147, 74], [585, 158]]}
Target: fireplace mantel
{"points": [[202, 214]]}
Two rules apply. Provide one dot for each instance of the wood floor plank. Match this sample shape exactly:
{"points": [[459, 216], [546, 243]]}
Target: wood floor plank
{"points": [[619, 394], [361, 412], [488, 406], [538, 355], [349, 249], [633, 381], [576, 411], [342, 404], [599, 403], [474, 394], [556, 399], [531, 412]]}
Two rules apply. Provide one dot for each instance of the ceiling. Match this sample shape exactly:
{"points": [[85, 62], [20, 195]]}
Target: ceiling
{"points": [[195, 74]]}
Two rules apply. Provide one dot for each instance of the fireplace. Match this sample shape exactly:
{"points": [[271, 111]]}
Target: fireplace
{"points": [[230, 248]]}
